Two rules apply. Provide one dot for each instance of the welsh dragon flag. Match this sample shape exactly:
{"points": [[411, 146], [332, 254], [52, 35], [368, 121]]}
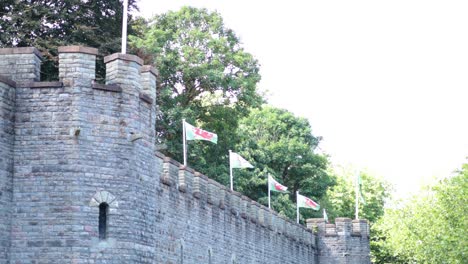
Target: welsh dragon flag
{"points": [[276, 186], [303, 201], [195, 133], [236, 161]]}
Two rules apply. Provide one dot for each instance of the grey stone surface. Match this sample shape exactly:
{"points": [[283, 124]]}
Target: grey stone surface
{"points": [[68, 146]]}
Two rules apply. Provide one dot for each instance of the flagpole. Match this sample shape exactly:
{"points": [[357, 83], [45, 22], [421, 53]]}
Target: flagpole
{"points": [[357, 196], [297, 207], [185, 141], [230, 171], [124, 27], [269, 198]]}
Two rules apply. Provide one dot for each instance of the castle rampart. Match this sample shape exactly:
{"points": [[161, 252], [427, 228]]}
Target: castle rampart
{"points": [[81, 182]]}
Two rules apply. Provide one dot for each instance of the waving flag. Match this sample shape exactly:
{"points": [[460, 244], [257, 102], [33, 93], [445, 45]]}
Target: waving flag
{"points": [[238, 162], [276, 186], [325, 216], [303, 201], [195, 133], [361, 197]]}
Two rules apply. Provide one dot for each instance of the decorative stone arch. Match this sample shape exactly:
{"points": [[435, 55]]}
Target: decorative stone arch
{"points": [[103, 197], [105, 202]]}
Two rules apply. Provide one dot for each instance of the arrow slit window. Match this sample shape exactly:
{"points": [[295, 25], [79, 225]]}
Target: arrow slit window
{"points": [[103, 220]]}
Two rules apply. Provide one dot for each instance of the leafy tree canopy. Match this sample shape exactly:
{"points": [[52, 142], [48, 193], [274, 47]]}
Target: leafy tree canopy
{"points": [[340, 199], [431, 227], [206, 77], [277, 142], [47, 24]]}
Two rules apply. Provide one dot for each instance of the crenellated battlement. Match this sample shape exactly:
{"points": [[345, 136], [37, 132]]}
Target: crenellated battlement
{"points": [[177, 177], [342, 227], [77, 68], [80, 179]]}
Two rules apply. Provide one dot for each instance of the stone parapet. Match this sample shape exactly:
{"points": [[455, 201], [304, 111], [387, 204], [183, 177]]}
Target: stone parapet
{"points": [[346, 241], [77, 66], [183, 179], [21, 64]]}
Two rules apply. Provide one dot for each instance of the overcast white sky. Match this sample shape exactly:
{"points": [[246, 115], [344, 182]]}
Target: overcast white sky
{"points": [[384, 82]]}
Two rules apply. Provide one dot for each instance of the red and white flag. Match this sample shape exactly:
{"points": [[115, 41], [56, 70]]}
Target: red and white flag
{"points": [[195, 133], [306, 202], [276, 186]]}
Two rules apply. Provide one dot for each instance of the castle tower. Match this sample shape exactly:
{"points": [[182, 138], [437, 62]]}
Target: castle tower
{"points": [[80, 181], [76, 158], [345, 242]]}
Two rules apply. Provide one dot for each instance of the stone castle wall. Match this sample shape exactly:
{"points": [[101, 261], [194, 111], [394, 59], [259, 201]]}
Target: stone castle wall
{"points": [[67, 147]]}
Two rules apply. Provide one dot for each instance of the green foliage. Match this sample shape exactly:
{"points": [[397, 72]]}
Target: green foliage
{"points": [[206, 77], [340, 202], [431, 227], [340, 199], [47, 24], [277, 142]]}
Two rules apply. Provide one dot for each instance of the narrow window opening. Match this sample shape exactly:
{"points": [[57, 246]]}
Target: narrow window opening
{"points": [[103, 218], [181, 254]]}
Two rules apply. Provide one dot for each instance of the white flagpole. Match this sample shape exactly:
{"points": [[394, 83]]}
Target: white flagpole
{"points": [[269, 198], [297, 206], [230, 171], [124, 27], [357, 196], [184, 138]]}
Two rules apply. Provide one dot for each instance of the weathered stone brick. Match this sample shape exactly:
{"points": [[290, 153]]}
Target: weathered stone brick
{"points": [[82, 157]]}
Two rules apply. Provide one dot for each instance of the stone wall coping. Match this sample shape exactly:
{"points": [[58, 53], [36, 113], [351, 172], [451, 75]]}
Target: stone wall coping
{"points": [[161, 156], [204, 177], [215, 183], [8, 81], [107, 87], [315, 220], [238, 194], [39, 85], [360, 221], [343, 219], [146, 98], [184, 167], [125, 57], [149, 68], [169, 160], [78, 49], [21, 50]]}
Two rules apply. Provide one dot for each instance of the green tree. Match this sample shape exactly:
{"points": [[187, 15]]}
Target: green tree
{"points": [[47, 24], [206, 77], [277, 142], [340, 202], [431, 227], [340, 198]]}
